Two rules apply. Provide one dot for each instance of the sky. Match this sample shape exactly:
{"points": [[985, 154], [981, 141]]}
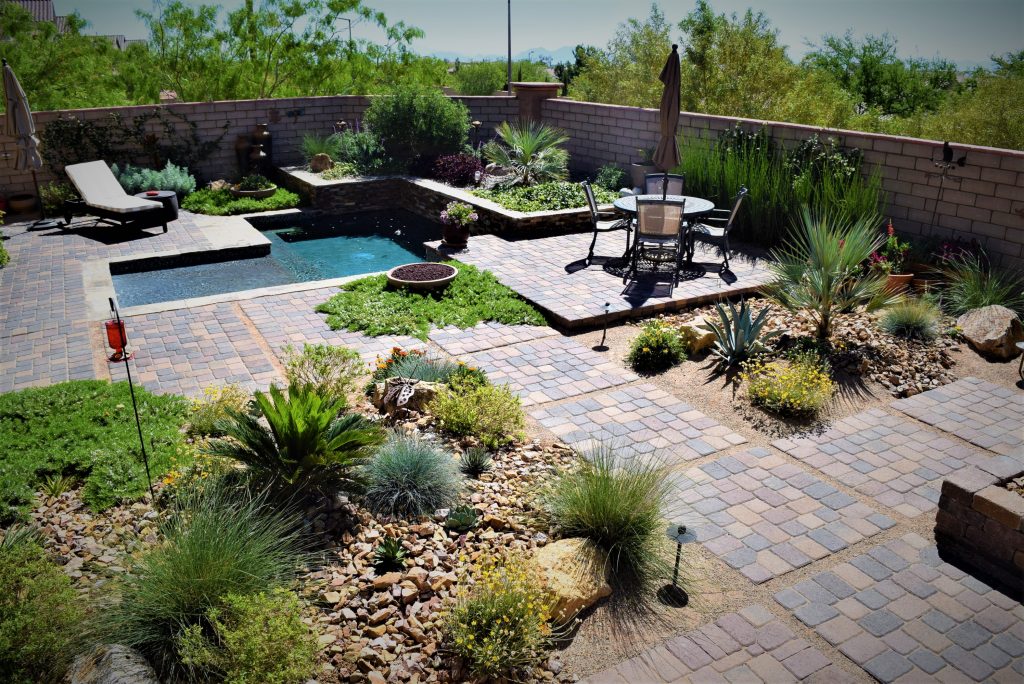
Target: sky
{"points": [[965, 31]]}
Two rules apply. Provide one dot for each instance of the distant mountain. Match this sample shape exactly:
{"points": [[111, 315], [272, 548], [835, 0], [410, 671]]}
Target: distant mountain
{"points": [[562, 54]]}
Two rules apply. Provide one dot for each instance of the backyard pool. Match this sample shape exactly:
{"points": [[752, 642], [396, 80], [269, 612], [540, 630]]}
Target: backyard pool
{"points": [[301, 250]]}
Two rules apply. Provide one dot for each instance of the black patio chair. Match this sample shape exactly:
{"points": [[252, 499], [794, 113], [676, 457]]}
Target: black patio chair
{"points": [[664, 184], [603, 222], [659, 237], [714, 229]]}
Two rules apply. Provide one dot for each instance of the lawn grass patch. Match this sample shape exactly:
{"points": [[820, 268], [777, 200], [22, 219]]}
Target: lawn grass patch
{"points": [[85, 428], [369, 305]]}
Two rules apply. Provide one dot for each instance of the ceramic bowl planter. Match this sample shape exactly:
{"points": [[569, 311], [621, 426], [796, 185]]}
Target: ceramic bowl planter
{"points": [[898, 282], [19, 204], [422, 276], [254, 194]]}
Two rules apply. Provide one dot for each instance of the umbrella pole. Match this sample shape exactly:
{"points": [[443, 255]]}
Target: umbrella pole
{"points": [[43, 223]]}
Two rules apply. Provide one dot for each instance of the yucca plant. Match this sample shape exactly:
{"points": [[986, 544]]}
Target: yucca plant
{"points": [[530, 151], [475, 461], [740, 334], [820, 271], [304, 441]]}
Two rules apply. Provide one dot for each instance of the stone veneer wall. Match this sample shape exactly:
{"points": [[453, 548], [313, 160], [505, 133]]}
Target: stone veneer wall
{"points": [[982, 524], [983, 200]]}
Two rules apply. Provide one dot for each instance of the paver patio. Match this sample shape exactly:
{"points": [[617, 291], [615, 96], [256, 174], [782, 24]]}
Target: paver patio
{"points": [[765, 516]]}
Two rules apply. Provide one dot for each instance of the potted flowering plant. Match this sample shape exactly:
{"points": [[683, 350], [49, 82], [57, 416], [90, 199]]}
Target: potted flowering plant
{"points": [[457, 217], [890, 259]]}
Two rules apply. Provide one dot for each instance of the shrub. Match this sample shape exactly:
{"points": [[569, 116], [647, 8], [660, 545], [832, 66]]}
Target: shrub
{"points": [[819, 270], [332, 371], [799, 387], [340, 170], [303, 443], [657, 348], [40, 617], [486, 78], [530, 152], [370, 306], [254, 181], [5, 257], [362, 150], [210, 410], [313, 144], [135, 179], [616, 503], [85, 427], [223, 203], [459, 170], [492, 414], [610, 177], [53, 196], [256, 639], [915, 319], [217, 542], [545, 196], [739, 336], [475, 461], [972, 284], [410, 477], [413, 122], [499, 623]]}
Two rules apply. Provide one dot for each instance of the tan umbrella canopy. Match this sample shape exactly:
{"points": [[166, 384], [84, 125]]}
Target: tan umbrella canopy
{"points": [[666, 157], [19, 124]]}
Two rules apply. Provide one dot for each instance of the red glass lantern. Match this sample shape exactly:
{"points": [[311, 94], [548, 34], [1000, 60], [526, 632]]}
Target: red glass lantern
{"points": [[116, 339]]}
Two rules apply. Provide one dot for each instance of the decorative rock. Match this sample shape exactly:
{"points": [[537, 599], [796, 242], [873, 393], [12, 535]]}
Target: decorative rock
{"points": [[320, 163], [387, 395], [112, 664], [574, 571], [386, 580], [993, 330], [696, 337]]}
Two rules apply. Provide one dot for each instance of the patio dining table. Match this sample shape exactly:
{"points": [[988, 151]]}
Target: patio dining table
{"points": [[694, 207]]}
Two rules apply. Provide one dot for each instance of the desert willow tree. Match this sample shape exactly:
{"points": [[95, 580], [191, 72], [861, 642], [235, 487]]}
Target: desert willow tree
{"points": [[821, 270]]}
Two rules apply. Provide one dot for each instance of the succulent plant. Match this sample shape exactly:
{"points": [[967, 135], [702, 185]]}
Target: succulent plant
{"points": [[475, 461], [739, 335], [460, 519], [389, 555]]}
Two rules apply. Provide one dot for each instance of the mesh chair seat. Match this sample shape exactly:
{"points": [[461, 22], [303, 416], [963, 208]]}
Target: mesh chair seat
{"points": [[664, 184], [706, 229], [659, 236], [716, 233], [602, 226]]}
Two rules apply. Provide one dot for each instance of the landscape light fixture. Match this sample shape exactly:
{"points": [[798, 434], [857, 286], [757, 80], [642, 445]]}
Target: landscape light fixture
{"points": [[604, 333], [673, 594]]}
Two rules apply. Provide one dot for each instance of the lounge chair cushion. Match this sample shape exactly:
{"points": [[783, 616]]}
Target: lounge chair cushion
{"points": [[99, 188]]}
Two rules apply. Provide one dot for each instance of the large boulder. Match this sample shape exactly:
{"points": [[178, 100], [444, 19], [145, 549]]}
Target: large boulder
{"points": [[992, 330], [695, 336], [111, 664], [320, 162], [574, 570]]}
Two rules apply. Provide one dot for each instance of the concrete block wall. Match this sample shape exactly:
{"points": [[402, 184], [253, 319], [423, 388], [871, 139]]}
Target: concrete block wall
{"points": [[983, 200]]}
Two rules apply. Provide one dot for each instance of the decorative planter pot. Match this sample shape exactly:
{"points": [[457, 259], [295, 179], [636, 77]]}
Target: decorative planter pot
{"points": [[254, 194], [898, 282], [926, 281], [639, 171], [21, 203], [455, 237], [422, 276]]}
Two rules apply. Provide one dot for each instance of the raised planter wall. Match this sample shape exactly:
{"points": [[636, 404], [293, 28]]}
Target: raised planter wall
{"points": [[981, 524], [983, 200]]}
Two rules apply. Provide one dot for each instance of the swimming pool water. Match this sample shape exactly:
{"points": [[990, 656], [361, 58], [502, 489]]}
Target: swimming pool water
{"points": [[309, 249]]}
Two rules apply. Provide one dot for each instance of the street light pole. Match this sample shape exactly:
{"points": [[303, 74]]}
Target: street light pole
{"points": [[349, 30], [509, 63]]}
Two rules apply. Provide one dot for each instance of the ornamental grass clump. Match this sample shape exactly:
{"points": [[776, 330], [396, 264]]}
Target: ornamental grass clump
{"points": [[799, 387], [657, 348], [410, 477], [499, 624], [972, 283], [914, 319]]}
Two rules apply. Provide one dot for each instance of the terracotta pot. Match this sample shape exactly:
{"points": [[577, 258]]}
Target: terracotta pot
{"points": [[21, 203], [455, 237], [898, 282], [639, 171]]}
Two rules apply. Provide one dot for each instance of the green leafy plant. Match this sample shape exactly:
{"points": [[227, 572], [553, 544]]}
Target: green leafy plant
{"points": [[616, 503], [256, 638], [218, 541], [371, 306], [303, 441], [389, 555], [491, 413], [332, 371], [254, 181], [363, 151], [914, 319], [136, 179], [475, 461], [57, 484], [340, 170], [461, 519], [53, 196], [893, 252], [499, 623], [799, 387], [5, 256], [657, 348], [740, 334], [414, 122], [210, 410], [86, 428], [550, 196], [313, 144], [530, 152], [40, 613], [971, 284], [610, 177], [410, 477], [223, 203], [819, 270]]}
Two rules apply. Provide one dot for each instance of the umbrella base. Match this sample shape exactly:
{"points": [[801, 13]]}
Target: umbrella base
{"points": [[44, 224]]}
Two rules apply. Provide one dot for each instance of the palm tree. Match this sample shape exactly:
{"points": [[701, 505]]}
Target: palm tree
{"points": [[530, 152], [304, 441], [821, 269]]}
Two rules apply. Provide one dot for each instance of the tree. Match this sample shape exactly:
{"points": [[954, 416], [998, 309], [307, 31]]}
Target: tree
{"points": [[566, 72]]}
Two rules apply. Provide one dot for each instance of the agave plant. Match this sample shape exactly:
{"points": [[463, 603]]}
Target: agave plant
{"points": [[461, 519], [820, 269], [530, 152], [389, 555], [739, 336], [305, 439], [475, 461]]}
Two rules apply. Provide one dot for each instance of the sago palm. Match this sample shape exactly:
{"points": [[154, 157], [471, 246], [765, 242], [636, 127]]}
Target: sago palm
{"points": [[820, 270], [530, 151], [303, 441]]}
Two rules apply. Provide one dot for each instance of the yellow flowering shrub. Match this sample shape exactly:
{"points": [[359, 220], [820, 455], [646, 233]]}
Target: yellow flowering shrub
{"points": [[207, 410], [491, 413], [499, 623], [799, 387], [657, 348]]}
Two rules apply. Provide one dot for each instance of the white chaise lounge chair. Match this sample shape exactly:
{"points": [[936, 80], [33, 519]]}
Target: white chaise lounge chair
{"points": [[103, 197]]}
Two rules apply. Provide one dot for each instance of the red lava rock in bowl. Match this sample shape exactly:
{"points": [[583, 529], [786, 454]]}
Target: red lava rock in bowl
{"points": [[423, 276]]}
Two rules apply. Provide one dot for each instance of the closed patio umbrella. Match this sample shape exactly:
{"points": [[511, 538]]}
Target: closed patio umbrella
{"points": [[666, 157], [20, 126]]}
